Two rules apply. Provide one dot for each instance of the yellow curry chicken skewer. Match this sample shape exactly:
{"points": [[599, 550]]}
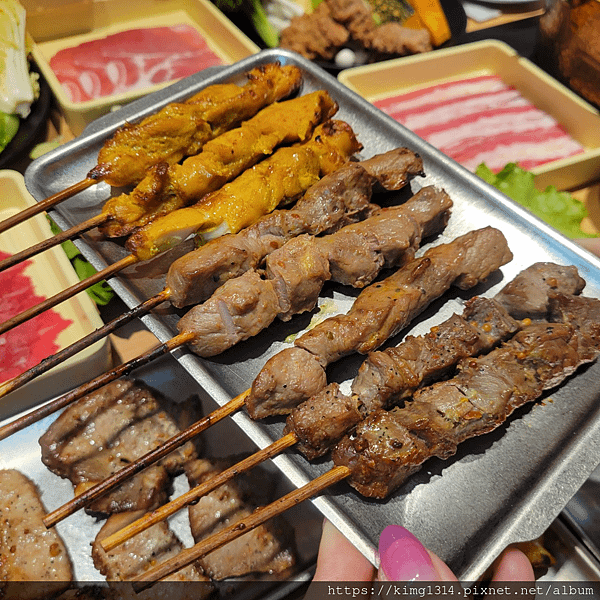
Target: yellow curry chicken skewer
{"points": [[257, 191], [122, 214], [178, 130]]}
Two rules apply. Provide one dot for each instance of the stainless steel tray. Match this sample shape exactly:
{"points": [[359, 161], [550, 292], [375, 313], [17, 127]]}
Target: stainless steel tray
{"points": [[504, 487]]}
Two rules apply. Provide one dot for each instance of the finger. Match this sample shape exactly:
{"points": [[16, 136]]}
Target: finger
{"points": [[339, 560], [591, 244], [513, 565], [403, 558]]}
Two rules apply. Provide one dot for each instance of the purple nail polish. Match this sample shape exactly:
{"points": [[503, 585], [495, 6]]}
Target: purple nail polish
{"points": [[403, 558]]}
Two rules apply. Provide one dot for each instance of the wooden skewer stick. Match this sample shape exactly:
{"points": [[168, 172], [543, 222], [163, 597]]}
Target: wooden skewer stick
{"points": [[235, 530], [191, 496], [96, 383], [54, 360], [47, 203], [151, 457], [55, 240], [67, 293]]}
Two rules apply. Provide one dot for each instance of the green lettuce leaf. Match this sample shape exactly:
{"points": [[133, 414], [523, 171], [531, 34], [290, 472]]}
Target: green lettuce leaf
{"points": [[558, 209], [9, 125], [101, 293]]}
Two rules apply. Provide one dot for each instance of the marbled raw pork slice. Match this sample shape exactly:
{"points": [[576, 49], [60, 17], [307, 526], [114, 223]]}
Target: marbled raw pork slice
{"points": [[131, 60], [482, 119], [25, 346]]}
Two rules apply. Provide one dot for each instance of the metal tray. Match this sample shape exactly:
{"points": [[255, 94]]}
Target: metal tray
{"points": [[504, 487]]}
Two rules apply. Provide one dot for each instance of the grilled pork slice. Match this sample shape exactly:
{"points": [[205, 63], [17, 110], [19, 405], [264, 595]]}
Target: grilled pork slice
{"points": [[379, 312], [106, 430], [340, 198], [181, 128], [297, 271], [390, 446], [28, 551], [266, 549], [391, 375], [144, 550]]}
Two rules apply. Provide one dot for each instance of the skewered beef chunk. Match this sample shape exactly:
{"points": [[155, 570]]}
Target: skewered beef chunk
{"points": [[287, 379], [527, 295], [28, 551], [107, 429], [152, 546], [390, 446], [296, 273], [389, 376], [395, 373], [379, 312], [240, 309], [340, 198], [383, 309], [265, 549]]}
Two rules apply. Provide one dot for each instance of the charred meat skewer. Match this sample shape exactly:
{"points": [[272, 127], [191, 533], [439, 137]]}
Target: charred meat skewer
{"points": [[387, 377], [340, 198], [278, 179], [177, 130], [169, 187], [390, 445]]}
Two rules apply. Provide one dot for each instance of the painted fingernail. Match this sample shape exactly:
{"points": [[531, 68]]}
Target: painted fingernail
{"points": [[403, 558]]}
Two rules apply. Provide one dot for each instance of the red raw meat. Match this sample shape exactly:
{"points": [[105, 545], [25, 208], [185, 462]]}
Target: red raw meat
{"points": [[481, 119], [26, 345], [131, 60]]}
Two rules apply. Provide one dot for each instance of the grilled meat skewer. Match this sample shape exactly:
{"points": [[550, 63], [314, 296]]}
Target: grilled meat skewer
{"points": [[296, 272], [166, 188], [489, 242], [340, 198], [390, 446], [169, 187], [177, 130], [377, 460], [253, 194], [380, 311], [180, 129], [278, 179], [387, 377]]}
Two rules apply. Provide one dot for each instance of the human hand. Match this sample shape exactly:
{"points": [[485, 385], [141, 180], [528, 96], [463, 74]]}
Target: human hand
{"points": [[402, 558], [591, 244]]}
